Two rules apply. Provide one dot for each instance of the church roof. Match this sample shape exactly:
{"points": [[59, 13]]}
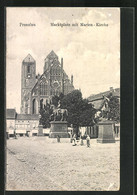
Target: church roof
{"points": [[29, 58], [52, 55], [10, 114], [55, 64]]}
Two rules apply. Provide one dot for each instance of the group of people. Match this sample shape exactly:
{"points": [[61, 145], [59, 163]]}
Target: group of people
{"points": [[75, 141]]}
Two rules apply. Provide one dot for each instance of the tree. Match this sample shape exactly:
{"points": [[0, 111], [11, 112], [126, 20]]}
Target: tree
{"points": [[87, 114], [80, 113], [45, 116]]}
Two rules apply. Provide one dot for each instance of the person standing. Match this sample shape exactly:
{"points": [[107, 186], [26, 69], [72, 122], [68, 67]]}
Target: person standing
{"points": [[58, 139], [74, 140], [71, 138], [88, 141], [15, 136], [81, 141]]}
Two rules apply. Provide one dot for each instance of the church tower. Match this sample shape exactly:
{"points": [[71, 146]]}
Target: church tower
{"points": [[28, 80]]}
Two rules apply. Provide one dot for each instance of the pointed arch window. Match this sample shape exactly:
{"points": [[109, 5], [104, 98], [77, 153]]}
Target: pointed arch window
{"points": [[41, 104], [28, 68], [34, 106]]}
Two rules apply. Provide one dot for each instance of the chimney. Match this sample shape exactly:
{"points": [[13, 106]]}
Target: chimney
{"points": [[111, 89], [72, 79]]}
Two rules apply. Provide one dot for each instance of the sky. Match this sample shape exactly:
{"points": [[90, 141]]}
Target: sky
{"points": [[90, 53]]}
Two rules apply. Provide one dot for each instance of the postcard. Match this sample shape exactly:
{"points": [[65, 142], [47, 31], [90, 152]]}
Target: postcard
{"points": [[62, 99]]}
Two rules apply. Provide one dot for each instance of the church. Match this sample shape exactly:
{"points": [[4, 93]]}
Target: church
{"points": [[38, 90]]}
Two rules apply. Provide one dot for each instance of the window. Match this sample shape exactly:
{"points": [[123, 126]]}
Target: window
{"points": [[28, 67], [45, 89], [41, 89]]}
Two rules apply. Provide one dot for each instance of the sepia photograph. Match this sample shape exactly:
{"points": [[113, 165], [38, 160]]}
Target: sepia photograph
{"points": [[62, 99]]}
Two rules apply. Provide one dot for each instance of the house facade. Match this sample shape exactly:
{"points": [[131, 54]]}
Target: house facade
{"points": [[98, 99], [10, 122], [21, 124], [27, 124]]}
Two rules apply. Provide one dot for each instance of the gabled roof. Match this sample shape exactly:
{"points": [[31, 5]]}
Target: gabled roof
{"points": [[10, 114], [115, 92], [27, 117], [29, 58], [52, 55], [47, 71]]}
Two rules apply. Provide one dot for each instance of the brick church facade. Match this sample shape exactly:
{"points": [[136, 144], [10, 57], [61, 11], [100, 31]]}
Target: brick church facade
{"points": [[37, 90]]}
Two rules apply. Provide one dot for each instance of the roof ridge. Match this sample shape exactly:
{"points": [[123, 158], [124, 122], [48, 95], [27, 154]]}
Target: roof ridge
{"points": [[51, 53], [29, 58], [103, 92]]}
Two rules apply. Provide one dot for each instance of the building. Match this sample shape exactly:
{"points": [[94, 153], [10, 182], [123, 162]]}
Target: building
{"points": [[27, 124], [21, 124], [98, 99], [99, 103], [11, 117], [38, 90]]}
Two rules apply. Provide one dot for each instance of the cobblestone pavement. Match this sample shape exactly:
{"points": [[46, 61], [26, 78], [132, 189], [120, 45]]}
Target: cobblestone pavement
{"points": [[40, 163]]}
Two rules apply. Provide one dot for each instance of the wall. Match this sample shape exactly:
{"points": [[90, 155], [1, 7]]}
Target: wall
{"points": [[10, 123], [22, 126]]}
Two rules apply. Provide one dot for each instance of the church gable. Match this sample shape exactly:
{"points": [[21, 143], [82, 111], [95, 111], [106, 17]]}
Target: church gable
{"points": [[29, 58], [51, 61], [52, 55], [54, 79], [55, 72], [38, 90]]}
